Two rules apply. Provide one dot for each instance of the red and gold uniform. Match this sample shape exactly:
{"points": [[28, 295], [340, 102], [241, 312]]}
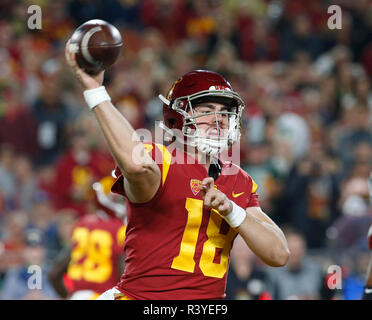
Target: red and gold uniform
{"points": [[98, 242], [175, 248]]}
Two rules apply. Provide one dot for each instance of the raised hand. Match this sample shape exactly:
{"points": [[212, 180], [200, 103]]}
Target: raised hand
{"points": [[87, 81], [215, 199]]}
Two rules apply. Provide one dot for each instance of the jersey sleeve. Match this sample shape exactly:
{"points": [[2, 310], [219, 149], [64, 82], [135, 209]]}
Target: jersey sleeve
{"points": [[161, 156], [252, 200]]}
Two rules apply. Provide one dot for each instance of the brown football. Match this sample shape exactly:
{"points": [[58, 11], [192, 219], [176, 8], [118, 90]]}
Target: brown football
{"points": [[97, 45]]}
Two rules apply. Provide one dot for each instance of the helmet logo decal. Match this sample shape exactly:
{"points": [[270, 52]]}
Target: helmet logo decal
{"points": [[219, 87]]}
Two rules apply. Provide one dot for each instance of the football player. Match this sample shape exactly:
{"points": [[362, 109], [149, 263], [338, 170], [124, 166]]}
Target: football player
{"points": [[367, 293], [183, 212], [95, 261]]}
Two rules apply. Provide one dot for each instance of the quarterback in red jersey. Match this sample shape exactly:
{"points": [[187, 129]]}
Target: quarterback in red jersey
{"points": [[95, 261], [367, 293], [185, 206], [189, 258], [367, 290]]}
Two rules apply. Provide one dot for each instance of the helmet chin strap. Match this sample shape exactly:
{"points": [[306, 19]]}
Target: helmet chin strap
{"points": [[205, 145], [209, 146]]}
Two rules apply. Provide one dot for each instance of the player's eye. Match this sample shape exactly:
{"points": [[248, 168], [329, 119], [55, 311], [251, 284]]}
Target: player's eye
{"points": [[203, 111]]}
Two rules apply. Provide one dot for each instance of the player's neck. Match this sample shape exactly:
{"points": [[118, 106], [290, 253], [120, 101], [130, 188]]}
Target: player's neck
{"points": [[200, 157], [203, 158]]}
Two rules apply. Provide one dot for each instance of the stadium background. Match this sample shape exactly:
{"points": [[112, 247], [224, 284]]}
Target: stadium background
{"points": [[306, 139]]}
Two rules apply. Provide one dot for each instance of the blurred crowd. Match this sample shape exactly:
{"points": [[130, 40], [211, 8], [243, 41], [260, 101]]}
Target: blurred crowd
{"points": [[306, 138]]}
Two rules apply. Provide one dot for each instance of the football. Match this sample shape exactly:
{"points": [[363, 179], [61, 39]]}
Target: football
{"points": [[96, 44]]}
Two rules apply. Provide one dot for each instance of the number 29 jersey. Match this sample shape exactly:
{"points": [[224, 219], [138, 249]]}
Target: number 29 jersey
{"points": [[175, 248]]}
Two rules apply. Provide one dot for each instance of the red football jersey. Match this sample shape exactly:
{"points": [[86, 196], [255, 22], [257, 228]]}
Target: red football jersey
{"points": [[174, 247], [369, 236], [98, 243]]}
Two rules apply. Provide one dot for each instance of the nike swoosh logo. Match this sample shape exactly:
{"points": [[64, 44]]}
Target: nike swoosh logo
{"points": [[235, 195], [367, 290]]}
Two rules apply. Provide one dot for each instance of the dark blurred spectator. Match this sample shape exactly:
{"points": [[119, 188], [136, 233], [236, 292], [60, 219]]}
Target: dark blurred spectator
{"points": [[26, 182], [51, 115], [13, 240], [41, 218], [354, 275], [361, 27], [84, 10], [260, 167], [260, 42], [349, 230], [311, 195], [224, 60], [293, 132], [123, 13], [18, 127], [362, 92], [354, 199], [298, 36], [17, 281], [45, 181], [56, 21], [301, 278], [356, 130], [129, 106], [359, 161], [7, 179], [168, 16], [226, 32], [246, 277], [76, 170], [367, 59], [58, 234]]}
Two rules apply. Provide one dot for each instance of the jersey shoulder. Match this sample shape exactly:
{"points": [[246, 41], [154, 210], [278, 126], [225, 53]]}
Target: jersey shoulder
{"points": [[159, 154], [244, 187], [241, 176]]}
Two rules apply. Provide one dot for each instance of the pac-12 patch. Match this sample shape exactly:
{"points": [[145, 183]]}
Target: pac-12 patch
{"points": [[194, 184]]}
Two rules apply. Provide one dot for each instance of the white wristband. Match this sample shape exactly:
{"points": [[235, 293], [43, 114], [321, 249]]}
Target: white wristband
{"points": [[94, 97], [236, 217]]}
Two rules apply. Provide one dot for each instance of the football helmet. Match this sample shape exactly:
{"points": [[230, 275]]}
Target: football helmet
{"points": [[107, 201], [197, 87]]}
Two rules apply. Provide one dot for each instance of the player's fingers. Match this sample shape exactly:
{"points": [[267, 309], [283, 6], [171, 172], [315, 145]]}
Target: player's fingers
{"points": [[217, 201], [207, 184], [71, 58], [224, 207], [207, 201], [67, 47], [69, 55], [208, 198]]}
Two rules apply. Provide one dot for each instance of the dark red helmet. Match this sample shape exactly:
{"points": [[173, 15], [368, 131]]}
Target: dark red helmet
{"points": [[196, 87]]}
